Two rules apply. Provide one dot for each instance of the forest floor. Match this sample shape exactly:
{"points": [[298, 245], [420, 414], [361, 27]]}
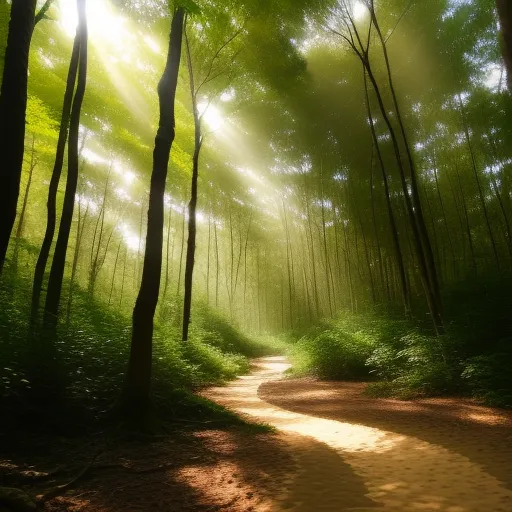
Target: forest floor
{"points": [[353, 452], [334, 449]]}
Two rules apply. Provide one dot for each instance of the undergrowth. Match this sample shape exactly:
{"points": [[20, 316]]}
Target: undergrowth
{"points": [[85, 365], [405, 360]]}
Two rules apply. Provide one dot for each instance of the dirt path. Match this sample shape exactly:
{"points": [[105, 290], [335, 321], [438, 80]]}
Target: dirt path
{"points": [[354, 453]]}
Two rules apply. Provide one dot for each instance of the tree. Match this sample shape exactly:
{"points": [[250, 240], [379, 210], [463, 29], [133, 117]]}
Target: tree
{"points": [[13, 105], [136, 397], [505, 15], [51, 205], [55, 281], [213, 71]]}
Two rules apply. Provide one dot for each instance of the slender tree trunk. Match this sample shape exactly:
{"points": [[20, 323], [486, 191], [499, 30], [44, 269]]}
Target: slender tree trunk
{"points": [[192, 207], [167, 255], [217, 265], [312, 248], [32, 166], [505, 15], [426, 246], [96, 260], [429, 284], [13, 106], [478, 184], [208, 260], [180, 270], [21, 221], [391, 216], [59, 258], [114, 273], [466, 218], [79, 236], [326, 252], [138, 265], [51, 205], [123, 277], [445, 218], [288, 264], [375, 227], [136, 397]]}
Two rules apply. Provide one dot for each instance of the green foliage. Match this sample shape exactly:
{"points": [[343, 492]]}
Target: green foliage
{"points": [[92, 352], [334, 353], [409, 362], [488, 377]]}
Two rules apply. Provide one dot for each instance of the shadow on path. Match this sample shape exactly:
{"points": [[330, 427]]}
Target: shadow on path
{"points": [[394, 455]]}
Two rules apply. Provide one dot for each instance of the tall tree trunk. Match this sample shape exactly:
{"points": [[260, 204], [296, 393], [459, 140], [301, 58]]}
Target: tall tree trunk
{"points": [[328, 273], [217, 265], [96, 259], [123, 277], [13, 107], [32, 166], [59, 258], [445, 218], [208, 260], [114, 272], [51, 205], [167, 255], [429, 285], [478, 184], [192, 207], [180, 270], [426, 246], [391, 216], [136, 396], [79, 236], [21, 221], [505, 15]]}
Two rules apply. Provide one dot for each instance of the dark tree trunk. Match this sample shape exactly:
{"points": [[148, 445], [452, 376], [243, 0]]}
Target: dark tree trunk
{"points": [[391, 216], [192, 207], [136, 397], [21, 221], [33, 163], [114, 273], [59, 258], [13, 106], [505, 14], [51, 205]]}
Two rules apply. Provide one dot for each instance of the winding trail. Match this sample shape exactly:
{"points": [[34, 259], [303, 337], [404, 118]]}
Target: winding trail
{"points": [[354, 453]]}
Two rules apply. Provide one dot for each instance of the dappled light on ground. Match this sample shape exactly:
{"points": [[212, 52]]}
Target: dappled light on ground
{"points": [[372, 465]]}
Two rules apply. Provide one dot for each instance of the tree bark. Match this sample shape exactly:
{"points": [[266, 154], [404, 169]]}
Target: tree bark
{"points": [[391, 216], [505, 15], [136, 396], [13, 106], [59, 258], [192, 207], [51, 205]]}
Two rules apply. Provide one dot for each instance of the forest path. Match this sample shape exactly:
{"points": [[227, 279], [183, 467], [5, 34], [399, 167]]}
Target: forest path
{"points": [[365, 454]]}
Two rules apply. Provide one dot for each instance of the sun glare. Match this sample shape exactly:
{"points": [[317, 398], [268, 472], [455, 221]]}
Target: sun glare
{"points": [[101, 19], [359, 11], [211, 115]]}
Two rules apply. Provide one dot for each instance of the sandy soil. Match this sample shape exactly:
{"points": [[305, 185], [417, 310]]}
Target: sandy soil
{"points": [[354, 453]]}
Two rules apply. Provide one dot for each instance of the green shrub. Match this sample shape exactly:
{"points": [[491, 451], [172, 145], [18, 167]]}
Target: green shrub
{"points": [[332, 354], [489, 378]]}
